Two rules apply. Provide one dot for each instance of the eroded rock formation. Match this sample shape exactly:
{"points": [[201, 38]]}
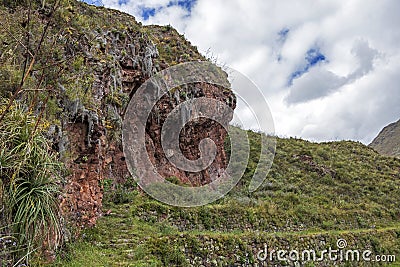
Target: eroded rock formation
{"points": [[119, 59], [191, 135], [388, 140]]}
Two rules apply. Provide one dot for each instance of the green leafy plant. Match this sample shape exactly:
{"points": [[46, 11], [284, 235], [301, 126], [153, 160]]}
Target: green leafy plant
{"points": [[29, 174]]}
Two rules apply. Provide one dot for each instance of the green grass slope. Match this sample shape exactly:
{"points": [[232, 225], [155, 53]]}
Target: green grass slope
{"points": [[313, 195]]}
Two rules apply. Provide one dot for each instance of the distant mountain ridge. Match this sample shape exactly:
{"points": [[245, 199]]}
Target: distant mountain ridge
{"points": [[388, 140]]}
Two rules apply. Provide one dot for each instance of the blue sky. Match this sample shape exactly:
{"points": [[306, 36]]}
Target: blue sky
{"points": [[148, 12], [94, 2], [330, 69], [312, 57], [186, 4]]}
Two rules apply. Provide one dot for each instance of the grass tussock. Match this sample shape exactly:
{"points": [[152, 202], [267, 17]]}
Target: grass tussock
{"points": [[30, 177]]}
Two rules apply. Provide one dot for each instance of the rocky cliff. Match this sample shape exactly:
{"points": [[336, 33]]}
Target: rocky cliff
{"points": [[90, 62], [388, 140]]}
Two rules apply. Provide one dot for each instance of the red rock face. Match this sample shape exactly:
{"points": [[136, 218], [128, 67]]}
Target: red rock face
{"points": [[190, 136], [95, 157], [83, 192], [91, 138]]}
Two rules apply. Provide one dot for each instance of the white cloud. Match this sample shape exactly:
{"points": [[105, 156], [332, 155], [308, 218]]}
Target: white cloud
{"points": [[314, 84], [350, 95], [319, 82]]}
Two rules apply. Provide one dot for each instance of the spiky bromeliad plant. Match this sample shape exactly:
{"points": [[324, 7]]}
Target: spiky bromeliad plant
{"points": [[29, 174]]}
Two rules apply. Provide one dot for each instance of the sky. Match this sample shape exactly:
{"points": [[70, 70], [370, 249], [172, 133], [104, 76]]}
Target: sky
{"points": [[329, 69]]}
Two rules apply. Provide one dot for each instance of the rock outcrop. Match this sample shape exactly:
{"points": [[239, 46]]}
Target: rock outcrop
{"points": [[388, 140], [92, 148], [191, 134], [95, 60]]}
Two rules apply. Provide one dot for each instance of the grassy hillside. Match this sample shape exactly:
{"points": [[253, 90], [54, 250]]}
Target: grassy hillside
{"points": [[313, 195]]}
